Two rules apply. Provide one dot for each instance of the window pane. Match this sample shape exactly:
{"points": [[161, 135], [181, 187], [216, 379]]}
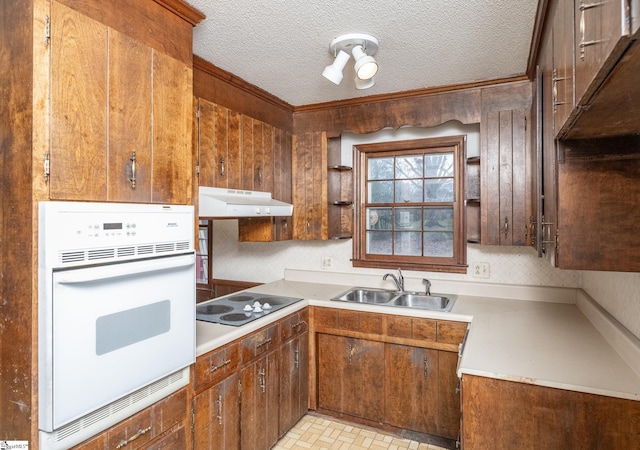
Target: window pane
{"points": [[409, 166], [378, 218], [438, 244], [380, 192], [438, 165], [408, 218], [438, 190], [407, 243], [409, 191], [379, 242], [438, 219], [381, 168]]}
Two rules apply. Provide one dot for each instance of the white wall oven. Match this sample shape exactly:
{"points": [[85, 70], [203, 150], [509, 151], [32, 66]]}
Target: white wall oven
{"points": [[116, 313]]}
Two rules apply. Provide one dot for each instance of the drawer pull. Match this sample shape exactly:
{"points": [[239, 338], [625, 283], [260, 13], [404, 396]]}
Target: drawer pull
{"points": [[265, 342], [140, 432], [298, 324], [214, 367], [426, 367]]}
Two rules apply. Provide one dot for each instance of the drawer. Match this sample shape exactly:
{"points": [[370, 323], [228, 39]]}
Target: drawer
{"points": [[451, 332], [260, 342], [295, 324], [169, 412], [217, 364], [411, 328]]}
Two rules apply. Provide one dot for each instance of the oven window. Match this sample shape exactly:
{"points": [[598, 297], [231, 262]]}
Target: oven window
{"points": [[124, 328]]}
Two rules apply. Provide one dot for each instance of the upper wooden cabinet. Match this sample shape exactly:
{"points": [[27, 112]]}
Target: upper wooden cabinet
{"points": [[219, 150], [593, 66], [506, 174], [120, 116], [236, 151], [310, 186], [588, 164]]}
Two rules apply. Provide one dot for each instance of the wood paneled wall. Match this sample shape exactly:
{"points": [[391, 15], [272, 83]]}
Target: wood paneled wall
{"points": [[17, 259]]}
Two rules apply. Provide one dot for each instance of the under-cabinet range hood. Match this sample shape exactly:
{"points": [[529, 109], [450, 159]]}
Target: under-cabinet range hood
{"points": [[219, 203]]}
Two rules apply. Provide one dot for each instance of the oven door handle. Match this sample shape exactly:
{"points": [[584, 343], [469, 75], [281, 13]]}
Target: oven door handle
{"points": [[125, 270]]}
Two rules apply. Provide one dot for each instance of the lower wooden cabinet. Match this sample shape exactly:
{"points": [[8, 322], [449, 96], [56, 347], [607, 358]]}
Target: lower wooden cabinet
{"points": [[216, 416], [251, 391], [394, 370], [294, 382], [259, 402], [162, 425], [351, 376], [411, 394], [500, 414]]}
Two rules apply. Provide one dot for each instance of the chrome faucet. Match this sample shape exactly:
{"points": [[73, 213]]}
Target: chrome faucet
{"points": [[428, 286], [399, 280]]}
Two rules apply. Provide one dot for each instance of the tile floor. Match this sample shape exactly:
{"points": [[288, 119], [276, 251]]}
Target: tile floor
{"points": [[320, 433]]}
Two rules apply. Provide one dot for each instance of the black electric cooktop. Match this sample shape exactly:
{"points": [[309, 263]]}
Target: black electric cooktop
{"points": [[241, 308]]}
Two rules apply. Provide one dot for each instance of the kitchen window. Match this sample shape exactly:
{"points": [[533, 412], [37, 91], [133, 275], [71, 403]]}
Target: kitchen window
{"points": [[409, 205]]}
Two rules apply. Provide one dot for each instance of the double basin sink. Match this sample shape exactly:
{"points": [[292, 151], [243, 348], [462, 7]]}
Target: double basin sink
{"points": [[404, 299]]}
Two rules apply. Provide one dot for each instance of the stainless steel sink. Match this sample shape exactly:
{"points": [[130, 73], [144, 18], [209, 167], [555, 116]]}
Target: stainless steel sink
{"points": [[361, 295], [416, 300], [422, 301]]}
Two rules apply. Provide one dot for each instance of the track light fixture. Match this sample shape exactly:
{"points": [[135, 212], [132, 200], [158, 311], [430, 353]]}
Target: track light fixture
{"points": [[362, 47]]}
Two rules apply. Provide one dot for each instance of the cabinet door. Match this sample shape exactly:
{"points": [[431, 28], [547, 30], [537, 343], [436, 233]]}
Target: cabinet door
{"points": [[217, 416], [448, 423], [351, 376], [412, 388], [507, 177], [563, 62], [171, 133], [79, 49], [601, 36], [310, 186], [260, 402], [294, 381], [129, 119]]}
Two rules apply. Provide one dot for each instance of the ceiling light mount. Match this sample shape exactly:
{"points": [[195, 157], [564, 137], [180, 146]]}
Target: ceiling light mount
{"points": [[362, 47]]}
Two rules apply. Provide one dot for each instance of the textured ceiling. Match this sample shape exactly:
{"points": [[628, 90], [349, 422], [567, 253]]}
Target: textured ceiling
{"points": [[282, 46]]}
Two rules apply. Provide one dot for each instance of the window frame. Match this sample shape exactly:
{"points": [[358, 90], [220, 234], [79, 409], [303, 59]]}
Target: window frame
{"points": [[457, 263]]}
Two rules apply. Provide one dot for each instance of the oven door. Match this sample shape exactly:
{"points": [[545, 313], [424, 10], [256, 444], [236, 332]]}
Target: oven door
{"points": [[117, 328]]}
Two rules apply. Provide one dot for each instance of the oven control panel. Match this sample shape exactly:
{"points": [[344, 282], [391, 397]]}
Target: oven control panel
{"points": [[71, 232]]}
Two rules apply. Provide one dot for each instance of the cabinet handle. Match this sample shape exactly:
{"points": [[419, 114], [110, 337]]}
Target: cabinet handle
{"points": [[259, 175], [297, 357], [221, 171], [531, 231], [505, 227], [584, 43], [262, 376], [140, 432], [214, 367], [308, 226], [265, 342], [555, 78], [426, 367], [132, 158], [350, 350], [219, 403]]}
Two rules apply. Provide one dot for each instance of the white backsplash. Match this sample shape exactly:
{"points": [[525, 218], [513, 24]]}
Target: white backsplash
{"points": [[618, 293], [265, 262]]}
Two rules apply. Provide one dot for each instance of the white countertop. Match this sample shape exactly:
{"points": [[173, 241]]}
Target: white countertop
{"points": [[543, 343]]}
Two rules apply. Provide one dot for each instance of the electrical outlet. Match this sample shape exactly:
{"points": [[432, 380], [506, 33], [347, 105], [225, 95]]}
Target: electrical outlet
{"points": [[481, 270], [327, 263]]}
